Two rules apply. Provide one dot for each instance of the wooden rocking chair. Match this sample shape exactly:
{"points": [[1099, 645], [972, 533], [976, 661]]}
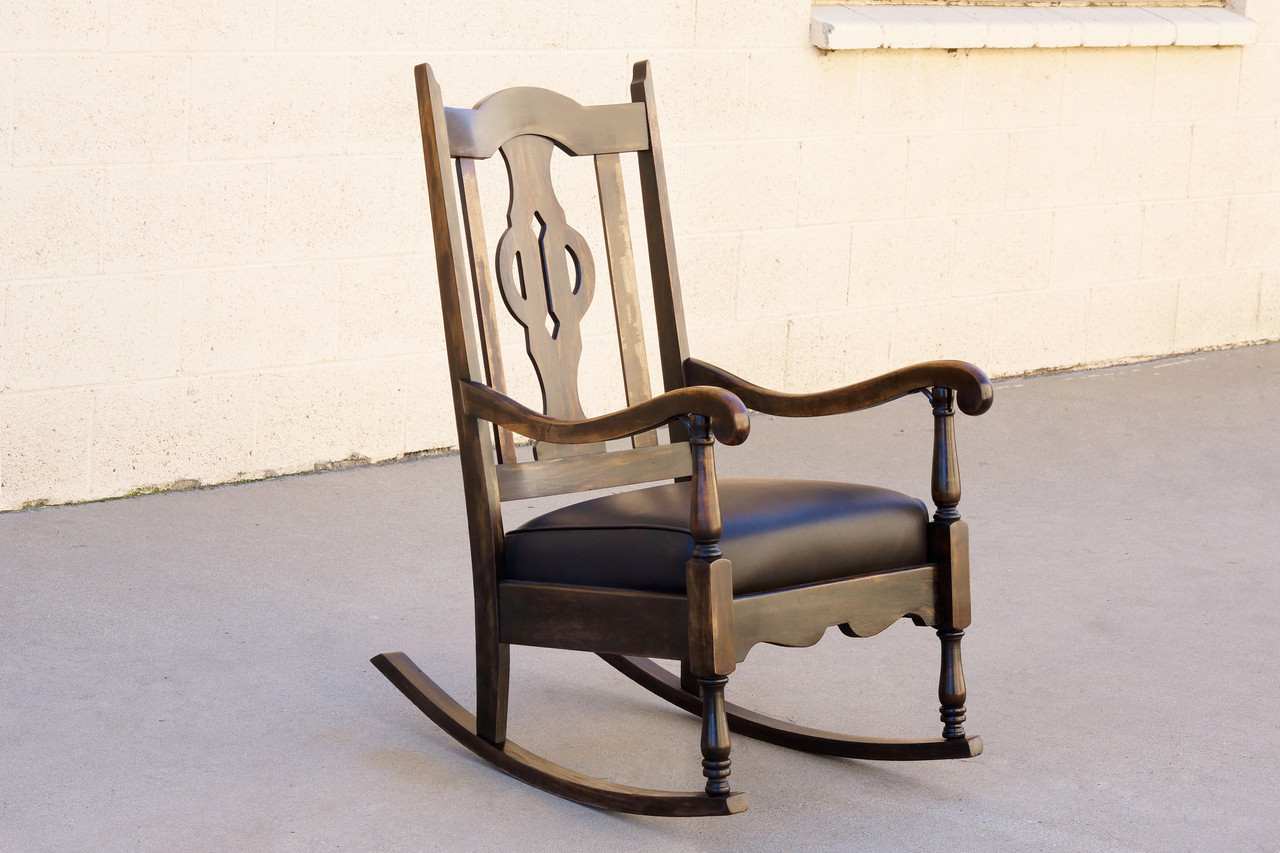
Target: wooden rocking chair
{"points": [[691, 569]]}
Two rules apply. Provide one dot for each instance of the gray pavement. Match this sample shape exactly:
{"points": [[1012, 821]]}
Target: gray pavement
{"points": [[188, 671]]}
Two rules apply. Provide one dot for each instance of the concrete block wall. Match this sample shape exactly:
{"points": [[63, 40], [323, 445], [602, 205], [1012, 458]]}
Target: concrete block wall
{"points": [[215, 253]]}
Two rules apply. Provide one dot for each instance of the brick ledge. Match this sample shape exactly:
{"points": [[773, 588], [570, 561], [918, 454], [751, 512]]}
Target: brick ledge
{"points": [[952, 27]]}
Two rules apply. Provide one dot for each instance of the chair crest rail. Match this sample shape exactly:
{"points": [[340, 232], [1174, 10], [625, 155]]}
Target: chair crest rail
{"points": [[579, 130]]}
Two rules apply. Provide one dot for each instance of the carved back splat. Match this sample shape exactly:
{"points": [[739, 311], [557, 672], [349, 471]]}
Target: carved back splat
{"points": [[547, 280]]}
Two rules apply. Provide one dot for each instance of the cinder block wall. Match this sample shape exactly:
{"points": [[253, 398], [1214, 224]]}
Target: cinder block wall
{"points": [[215, 254]]}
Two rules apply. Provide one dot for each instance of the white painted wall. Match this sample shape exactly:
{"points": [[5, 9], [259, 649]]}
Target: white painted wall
{"points": [[215, 252]]}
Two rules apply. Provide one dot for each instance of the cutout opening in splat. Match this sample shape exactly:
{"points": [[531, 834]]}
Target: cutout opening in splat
{"points": [[577, 270]]}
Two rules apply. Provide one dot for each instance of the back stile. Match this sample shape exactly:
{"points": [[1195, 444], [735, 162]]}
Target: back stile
{"points": [[672, 340], [622, 275], [482, 285], [475, 445]]}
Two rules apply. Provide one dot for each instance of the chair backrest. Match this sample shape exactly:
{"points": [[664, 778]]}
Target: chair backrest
{"points": [[542, 270]]}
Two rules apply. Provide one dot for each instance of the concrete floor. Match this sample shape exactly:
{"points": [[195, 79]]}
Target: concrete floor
{"points": [[188, 671]]}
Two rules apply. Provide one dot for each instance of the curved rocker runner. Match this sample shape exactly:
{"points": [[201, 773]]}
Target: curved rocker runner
{"points": [[537, 771], [744, 721]]}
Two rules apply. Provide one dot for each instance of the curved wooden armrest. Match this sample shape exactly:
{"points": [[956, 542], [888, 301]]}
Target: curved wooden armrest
{"points": [[972, 387], [730, 421]]}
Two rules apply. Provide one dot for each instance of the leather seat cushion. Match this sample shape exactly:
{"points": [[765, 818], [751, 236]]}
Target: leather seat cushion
{"points": [[777, 533]]}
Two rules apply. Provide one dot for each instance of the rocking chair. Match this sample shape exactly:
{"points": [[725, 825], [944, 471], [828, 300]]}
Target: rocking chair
{"points": [[693, 569]]}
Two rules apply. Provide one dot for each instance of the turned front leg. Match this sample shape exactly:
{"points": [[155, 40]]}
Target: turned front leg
{"points": [[715, 735], [951, 690]]}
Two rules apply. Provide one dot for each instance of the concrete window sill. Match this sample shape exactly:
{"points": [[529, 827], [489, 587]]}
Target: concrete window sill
{"points": [[952, 27]]}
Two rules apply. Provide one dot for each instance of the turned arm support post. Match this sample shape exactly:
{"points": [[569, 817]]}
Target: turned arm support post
{"points": [[948, 534], [945, 484]]}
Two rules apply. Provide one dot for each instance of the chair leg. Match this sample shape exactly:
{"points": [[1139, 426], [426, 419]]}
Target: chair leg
{"points": [[715, 735], [951, 690], [688, 681], [493, 674]]}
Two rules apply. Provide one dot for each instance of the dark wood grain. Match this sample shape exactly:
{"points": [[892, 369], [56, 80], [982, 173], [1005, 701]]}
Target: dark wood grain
{"points": [[547, 279], [624, 621], [951, 687], [537, 771], [475, 445], [949, 538], [799, 616], [544, 272], [709, 584], [627, 467], [759, 726], [949, 547], [944, 484], [715, 735], [972, 386], [729, 419], [626, 296], [482, 289], [705, 523], [673, 342], [579, 130]]}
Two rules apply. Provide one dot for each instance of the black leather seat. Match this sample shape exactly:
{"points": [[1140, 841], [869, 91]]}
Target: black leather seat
{"points": [[778, 533]]}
